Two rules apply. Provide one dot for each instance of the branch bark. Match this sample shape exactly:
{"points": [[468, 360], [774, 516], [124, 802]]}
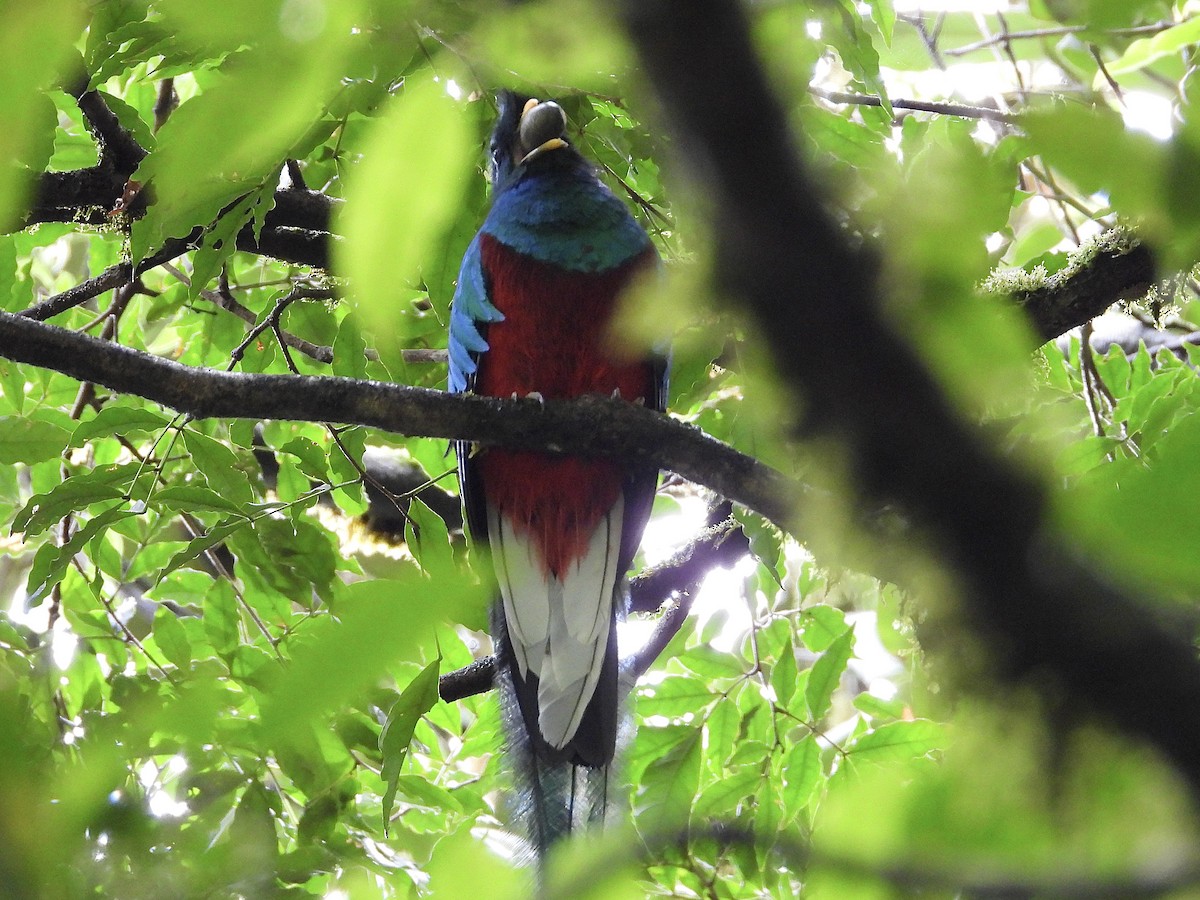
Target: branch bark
{"points": [[296, 230], [591, 426], [1115, 267], [1047, 617]]}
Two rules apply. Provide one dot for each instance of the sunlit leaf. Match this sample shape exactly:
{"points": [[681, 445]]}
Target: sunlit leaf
{"points": [[668, 788], [826, 673], [418, 157]]}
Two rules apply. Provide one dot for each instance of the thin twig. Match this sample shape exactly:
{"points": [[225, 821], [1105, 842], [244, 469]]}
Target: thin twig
{"points": [[80, 294], [228, 303], [948, 109], [1034, 33], [370, 479], [1112, 82], [298, 292]]}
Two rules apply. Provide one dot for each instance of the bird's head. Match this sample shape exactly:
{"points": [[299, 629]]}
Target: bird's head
{"points": [[527, 129]]}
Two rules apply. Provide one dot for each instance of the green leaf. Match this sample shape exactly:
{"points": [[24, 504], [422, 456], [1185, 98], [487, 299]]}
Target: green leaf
{"points": [[803, 775], [721, 727], [221, 618], [12, 383], [414, 701], [766, 540], [674, 696], [769, 813], [878, 708], [172, 638], [668, 788], [51, 560], [1032, 243], [826, 673], [313, 461], [1126, 513], [76, 493], [351, 500], [378, 624], [30, 441], [219, 465], [193, 497], [220, 240], [723, 798], [130, 119], [428, 538], [884, 15], [783, 677], [898, 742], [1084, 455], [1145, 52], [822, 625], [114, 420], [708, 662], [349, 349], [419, 154]]}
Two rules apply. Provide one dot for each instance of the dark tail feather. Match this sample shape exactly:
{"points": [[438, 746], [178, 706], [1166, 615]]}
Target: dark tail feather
{"points": [[560, 799], [558, 792]]}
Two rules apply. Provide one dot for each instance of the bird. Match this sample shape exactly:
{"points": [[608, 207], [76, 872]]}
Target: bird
{"points": [[532, 315]]}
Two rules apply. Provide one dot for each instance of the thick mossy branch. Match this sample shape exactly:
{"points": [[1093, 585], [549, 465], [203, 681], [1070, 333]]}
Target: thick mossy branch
{"points": [[1113, 266]]}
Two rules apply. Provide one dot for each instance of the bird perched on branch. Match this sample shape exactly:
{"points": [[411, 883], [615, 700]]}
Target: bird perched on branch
{"points": [[532, 316]]}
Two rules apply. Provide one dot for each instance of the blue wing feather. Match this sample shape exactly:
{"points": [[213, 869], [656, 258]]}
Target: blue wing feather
{"points": [[471, 307]]}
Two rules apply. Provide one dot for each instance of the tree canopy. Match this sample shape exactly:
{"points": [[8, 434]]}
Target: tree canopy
{"points": [[917, 610]]}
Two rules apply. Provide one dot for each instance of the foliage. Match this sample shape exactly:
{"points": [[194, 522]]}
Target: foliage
{"points": [[215, 680]]}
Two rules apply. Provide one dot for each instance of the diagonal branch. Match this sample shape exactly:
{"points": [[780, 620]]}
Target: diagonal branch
{"points": [[1045, 614]]}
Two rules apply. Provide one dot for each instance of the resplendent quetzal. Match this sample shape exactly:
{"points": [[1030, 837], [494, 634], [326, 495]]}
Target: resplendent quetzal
{"points": [[532, 314]]}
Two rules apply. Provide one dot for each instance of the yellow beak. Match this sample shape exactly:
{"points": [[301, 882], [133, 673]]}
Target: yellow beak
{"points": [[552, 144]]}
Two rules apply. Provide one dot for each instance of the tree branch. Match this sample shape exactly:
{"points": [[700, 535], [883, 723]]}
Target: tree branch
{"points": [[1115, 266], [118, 147], [720, 544], [947, 109], [591, 426], [1052, 32], [112, 277], [1044, 613]]}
